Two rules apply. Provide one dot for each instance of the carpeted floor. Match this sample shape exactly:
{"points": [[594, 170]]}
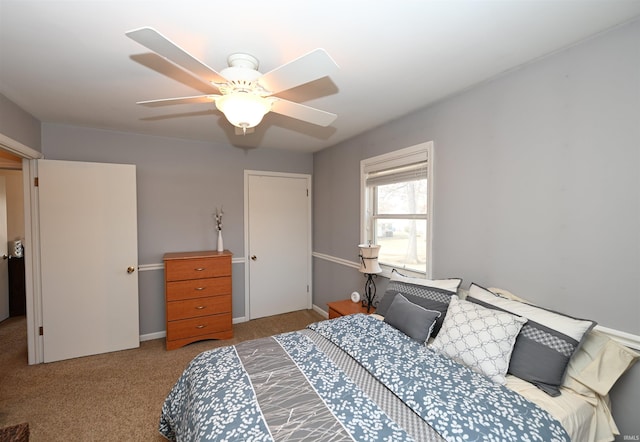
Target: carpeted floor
{"points": [[109, 397]]}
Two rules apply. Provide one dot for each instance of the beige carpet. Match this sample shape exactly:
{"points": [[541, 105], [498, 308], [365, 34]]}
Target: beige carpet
{"points": [[111, 397]]}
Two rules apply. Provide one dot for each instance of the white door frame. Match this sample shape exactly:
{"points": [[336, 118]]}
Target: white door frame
{"points": [[31, 244], [247, 174], [5, 302]]}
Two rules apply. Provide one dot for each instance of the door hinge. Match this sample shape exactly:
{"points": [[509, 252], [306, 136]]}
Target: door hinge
{"points": [[307, 192], [41, 331], [36, 183], [307, 288]]}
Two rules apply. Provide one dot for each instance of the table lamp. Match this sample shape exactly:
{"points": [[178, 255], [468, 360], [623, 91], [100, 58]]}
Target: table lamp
{"points": [[370, 267]]}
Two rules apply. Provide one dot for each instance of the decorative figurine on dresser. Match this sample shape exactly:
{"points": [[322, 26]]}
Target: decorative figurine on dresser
{"points": [[198, 296]]}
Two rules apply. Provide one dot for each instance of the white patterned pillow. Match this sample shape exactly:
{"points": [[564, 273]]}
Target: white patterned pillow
{"points": [[478, 337]]}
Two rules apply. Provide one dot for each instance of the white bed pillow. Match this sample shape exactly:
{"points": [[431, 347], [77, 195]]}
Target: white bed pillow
{"points": [[507, 294], [478, 337], [598, 364], [451, 284]]}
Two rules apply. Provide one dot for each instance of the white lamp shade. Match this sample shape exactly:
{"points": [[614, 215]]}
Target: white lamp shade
{"points": [[243, 109], [369, 258]]}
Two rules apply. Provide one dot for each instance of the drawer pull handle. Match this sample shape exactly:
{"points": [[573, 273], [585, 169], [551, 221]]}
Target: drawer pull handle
{"points": [[200, 307], [199, 269], [200, 326], [200, 288]]}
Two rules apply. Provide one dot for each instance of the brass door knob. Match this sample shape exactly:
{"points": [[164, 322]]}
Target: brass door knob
{"points": [[131, 269], [254, 257]]}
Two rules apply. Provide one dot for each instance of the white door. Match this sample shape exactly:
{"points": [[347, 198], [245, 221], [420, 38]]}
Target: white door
{"points": [[278, 242], [88, 258], [4, 255]]}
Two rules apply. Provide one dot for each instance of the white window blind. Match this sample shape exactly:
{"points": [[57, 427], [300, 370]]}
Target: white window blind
{"points": [[411, 172]]}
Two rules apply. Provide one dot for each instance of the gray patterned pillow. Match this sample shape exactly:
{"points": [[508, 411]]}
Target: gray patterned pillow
{"points": [[413, 320], [478, 337], [545, 344]]}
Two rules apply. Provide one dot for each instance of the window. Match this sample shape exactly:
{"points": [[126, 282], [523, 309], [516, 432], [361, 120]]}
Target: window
{"points": [[396, 193]]}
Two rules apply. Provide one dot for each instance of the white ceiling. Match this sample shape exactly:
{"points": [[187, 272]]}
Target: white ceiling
{"points": [[70, 62]]}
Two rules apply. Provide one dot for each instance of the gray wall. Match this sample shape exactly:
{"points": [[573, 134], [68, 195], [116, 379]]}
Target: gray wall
{"points": [[19, 125], [537, 189], [180, 183]]}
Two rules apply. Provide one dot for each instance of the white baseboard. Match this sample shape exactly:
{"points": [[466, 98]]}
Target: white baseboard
{"points": [[628, 339], [151, 336], [320, 311], [163, 333]]}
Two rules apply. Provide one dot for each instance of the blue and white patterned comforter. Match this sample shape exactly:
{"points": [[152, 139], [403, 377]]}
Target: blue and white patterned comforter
{"points": [[350, 378]]}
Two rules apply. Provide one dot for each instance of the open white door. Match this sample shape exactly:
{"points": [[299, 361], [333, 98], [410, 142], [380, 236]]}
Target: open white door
{"points": [[278, 242], [88, 258]]}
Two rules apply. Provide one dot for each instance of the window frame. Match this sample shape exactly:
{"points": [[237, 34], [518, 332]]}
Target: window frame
{"points": [[397, 158]]}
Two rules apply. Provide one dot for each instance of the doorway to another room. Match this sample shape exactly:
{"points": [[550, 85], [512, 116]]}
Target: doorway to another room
{"points": [[12, 228]]}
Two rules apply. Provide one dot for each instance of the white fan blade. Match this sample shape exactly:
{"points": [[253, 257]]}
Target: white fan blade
{"points": [[180, 100], [302, 112], [158, 43], [316, 64]]}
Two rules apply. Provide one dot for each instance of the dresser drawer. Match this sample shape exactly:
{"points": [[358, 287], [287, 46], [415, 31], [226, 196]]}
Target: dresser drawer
{"points": [[192, 308], [183, 269], [198, 288], [187, 328]]}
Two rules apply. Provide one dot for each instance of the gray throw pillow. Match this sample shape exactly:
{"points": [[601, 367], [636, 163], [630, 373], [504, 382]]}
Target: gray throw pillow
{"points": [[430, 298], [413, 320], [545, 343]]}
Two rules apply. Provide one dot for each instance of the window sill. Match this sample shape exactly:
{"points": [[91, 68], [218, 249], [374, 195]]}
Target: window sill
{"points": [[387, 270]]}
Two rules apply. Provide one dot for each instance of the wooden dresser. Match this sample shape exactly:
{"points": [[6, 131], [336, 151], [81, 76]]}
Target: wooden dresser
{"points": [[198, 296]]}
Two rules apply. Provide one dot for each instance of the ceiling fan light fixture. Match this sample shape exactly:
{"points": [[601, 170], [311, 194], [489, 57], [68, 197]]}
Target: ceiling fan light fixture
{"points": [[246, 94], [243, 109]]}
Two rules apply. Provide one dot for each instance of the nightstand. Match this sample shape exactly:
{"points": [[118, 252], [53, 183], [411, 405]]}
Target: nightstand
{"points": [[346, 307]]}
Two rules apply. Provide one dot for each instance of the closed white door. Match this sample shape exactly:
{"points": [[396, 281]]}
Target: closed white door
{"points": [[4, 255], [88, 258], [278, 243]]}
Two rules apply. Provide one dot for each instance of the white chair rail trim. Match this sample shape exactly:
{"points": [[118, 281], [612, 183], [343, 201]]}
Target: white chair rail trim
{"points": [[336, 260], [160, 266], [628, 339]]}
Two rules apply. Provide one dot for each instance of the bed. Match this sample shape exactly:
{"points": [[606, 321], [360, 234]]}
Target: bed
{"points": [[386, 377]]}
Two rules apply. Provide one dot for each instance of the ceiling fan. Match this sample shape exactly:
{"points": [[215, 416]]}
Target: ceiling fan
{"points": [[246, 94]]}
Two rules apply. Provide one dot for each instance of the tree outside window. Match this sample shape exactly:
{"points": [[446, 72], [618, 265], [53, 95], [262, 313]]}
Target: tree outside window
{"points": [[401, 225]]}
